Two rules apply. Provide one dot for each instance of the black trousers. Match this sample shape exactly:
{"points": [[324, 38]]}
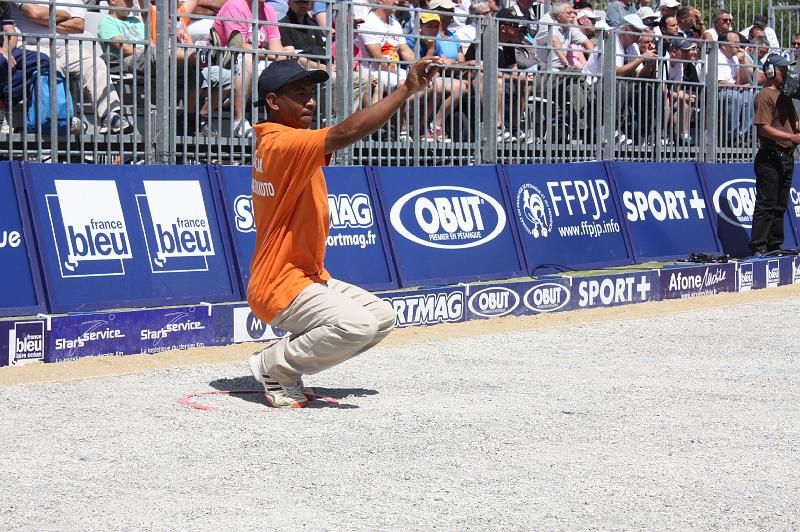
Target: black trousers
{"points": [[774, 170]]}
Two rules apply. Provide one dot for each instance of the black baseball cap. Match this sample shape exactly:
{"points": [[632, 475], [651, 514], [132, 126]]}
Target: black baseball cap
{"points": [[281, 73], [508, 13]]}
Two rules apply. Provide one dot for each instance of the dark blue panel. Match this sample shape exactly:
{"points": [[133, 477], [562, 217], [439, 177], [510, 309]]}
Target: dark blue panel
{"points": [[665, 210], [566, 215], [448, 224], [732, 196], [121, 236], [357, 249], [794, 200], [18, 261]]}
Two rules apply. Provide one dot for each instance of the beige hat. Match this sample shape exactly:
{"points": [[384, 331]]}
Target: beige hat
{"points": [[635, 21]]}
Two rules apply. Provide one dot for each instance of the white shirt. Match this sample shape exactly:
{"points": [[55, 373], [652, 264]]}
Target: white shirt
{"points": [[25, 25], [465, 34], [595, 64], [714, 34], [569, 36], [727, 69], [772, 37], [388, 43]]}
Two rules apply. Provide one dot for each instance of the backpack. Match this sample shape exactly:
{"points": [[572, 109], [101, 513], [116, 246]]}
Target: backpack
{"points": [[39, 102]]}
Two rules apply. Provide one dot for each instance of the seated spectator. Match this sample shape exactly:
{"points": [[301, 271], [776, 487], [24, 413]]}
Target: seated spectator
{"points": [[197, 28], [530, 11], [448, 42], [681, 100], [17, 68], [269, 39], [586, 20], [77, 57], [648, 16], [668, 8], [617, 10], [734, 70], [381, 38], [319, 11], [796, 46], [310, 40], [721, 22], [513, 85], [758, 51], [469, 32], [763, 21], [556, 37], [690, 22], [118, 26], [648, 52], [668, 27]]}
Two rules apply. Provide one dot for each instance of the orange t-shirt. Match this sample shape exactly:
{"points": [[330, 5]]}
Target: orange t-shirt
{"points": [[290, 204]]}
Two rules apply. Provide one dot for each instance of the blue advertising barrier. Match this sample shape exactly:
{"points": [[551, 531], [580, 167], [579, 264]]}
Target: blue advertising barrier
{"points": [[566, 216], [448, 224], [794, 200], [140, 331], [694, 281], [22, 292], [430, 306], [357, 250], [519, 299], [22, 341], [128, 236], [731, 191], [665, 210], [616, 289]]}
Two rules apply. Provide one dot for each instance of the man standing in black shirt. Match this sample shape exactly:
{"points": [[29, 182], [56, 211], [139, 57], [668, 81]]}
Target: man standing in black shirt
{"points": [[778, 135]]}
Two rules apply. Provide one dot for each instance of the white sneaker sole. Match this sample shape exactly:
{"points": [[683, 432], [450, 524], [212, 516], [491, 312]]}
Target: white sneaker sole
{"points": [[255, 368]]}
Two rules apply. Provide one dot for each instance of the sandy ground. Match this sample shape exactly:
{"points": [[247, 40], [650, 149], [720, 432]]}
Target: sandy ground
{"points": [[660, 416]]}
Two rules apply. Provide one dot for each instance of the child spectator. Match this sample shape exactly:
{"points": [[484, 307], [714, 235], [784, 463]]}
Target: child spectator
{"points": [[118, 27]]}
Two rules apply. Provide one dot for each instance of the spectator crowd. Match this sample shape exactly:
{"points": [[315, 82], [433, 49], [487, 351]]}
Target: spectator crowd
{"points": [[549, 63]]}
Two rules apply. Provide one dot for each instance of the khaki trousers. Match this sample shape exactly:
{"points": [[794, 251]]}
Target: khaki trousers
{"points": [[329, 323]]}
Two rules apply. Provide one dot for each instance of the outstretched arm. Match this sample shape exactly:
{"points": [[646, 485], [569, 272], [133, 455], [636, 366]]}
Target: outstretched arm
{"points": [[360, 124]]}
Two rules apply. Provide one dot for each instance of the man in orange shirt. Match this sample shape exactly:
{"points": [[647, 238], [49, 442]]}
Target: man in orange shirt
{"points": [[330, 321]]}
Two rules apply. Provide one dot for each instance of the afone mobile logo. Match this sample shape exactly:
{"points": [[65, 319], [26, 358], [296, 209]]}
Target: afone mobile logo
{"points": [[25, 342], [773, 273], [534, 211], [493, 301], [745, 275], [243, 213], [539, 211], [547, 297], [448, 217], [247, 327], [427, 309], [179, 322], [662, 205], [93, 331], [735, 200], [613, 291], [175, 225], [88, 228], [10, 239]]}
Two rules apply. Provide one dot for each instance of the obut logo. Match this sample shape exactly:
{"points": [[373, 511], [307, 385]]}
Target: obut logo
{"points": [[89, 228], [534, 211], [493, 301], [735, 200], [448, 217], [176, 228], [547, 297]]}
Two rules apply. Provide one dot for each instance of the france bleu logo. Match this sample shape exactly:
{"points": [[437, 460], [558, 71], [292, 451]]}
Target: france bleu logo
{"points": [[88, 227], [175, 224]]}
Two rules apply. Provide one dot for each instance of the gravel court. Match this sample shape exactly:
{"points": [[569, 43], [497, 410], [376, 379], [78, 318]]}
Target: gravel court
{"points": [[680, 421]]}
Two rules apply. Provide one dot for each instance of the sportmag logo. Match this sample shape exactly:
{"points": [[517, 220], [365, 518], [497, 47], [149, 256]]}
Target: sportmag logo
{"points": [[89, 230], [534, 211], [448, 217]]}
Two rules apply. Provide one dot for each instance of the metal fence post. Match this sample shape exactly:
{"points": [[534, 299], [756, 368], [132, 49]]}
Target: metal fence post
{"points": [[52, 79], [343, 84], [162, 136], [488, 43], [609, 92], [711, 103]]}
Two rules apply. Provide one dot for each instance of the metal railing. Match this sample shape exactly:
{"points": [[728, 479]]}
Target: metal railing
{"points": [[184, 98]]}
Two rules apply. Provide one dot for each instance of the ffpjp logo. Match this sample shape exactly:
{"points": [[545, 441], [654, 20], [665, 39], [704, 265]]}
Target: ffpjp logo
{"points": [[448, 217], [534, 211], [89, 228], [25, 342], [175, 224]]}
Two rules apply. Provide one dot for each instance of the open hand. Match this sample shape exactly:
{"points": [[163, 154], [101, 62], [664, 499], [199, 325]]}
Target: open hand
{"points": [[422, 73]]}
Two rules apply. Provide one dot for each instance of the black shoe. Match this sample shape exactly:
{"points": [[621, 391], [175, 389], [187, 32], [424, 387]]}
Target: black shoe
{"points": [[761, 253]]}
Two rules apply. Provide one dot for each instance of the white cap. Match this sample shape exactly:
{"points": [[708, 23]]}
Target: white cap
{"points": [[635, 21], [669, 3], [646, 12], [602, 25], [441, 4], [588, 13]]}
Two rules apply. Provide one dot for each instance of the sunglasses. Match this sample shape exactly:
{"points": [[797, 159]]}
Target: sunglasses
{"points": [[796, 43]]}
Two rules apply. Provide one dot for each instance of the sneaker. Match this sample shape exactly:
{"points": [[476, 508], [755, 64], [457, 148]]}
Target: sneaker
{"points": [[205, 130], [277, 393], [5, 127], [503, 135], [243, 129], [116, 124], [437, 133], [77, 126], [403, 136]]}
